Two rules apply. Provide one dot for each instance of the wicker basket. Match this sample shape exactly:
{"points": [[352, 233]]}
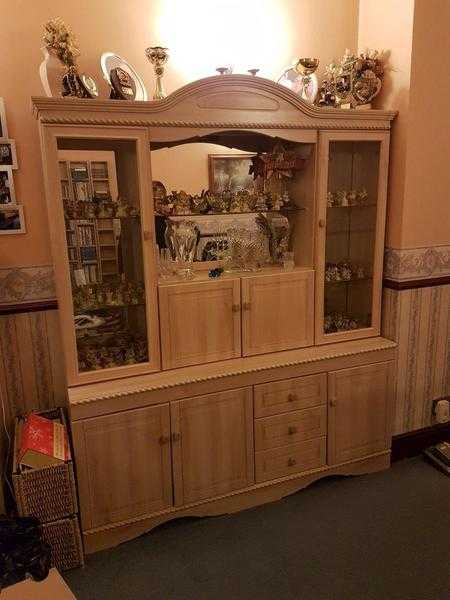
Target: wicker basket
{"points": [[64, 538], [48, 493]]}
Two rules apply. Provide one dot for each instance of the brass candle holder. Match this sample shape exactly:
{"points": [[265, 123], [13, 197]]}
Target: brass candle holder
{"points": [[158, 56]]}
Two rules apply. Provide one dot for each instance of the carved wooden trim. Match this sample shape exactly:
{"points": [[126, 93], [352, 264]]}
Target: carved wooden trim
{"points": [[383, 344]]}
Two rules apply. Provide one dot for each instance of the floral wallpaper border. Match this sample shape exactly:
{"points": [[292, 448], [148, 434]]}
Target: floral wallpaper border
{"points": [[27, 284], [417, 263]]}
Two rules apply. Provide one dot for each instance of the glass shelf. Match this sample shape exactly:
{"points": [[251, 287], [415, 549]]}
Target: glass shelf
{"points": [[230, 214]]}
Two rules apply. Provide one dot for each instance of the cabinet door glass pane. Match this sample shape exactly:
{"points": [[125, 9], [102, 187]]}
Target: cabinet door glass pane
{"points": [[103, 234], [350, 234]]}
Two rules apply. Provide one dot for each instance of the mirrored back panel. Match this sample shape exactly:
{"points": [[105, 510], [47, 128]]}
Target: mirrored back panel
{"points": [[236, 196]]}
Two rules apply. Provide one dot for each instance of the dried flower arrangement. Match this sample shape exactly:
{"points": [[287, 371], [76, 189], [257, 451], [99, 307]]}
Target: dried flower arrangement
{"points": [[60, 40]]}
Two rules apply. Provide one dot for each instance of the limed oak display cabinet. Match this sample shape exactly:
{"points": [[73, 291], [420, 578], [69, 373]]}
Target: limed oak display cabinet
{"points": [[207, 396]]}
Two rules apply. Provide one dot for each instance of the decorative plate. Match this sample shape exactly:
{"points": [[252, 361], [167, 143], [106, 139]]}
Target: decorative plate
{"points": [[111, 62]]}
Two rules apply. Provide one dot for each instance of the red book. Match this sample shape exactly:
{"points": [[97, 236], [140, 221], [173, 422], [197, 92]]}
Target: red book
{"points": [[44, 442]]}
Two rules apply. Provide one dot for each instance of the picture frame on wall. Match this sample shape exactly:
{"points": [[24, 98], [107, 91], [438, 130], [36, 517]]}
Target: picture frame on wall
{"points": [[12, 219], [7, 191], [230, 172], [8, 154], [3, 125]]}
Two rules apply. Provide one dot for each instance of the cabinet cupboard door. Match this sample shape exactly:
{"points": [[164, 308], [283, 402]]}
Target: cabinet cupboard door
{"points": [[200, 322], [351, 194], [212, 445], [360, 411], [278, 312], [123, 465]]}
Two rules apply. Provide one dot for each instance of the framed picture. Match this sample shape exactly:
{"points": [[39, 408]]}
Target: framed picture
{"points": [[11, 219], [8, 156], [230, 172], [3, 126], [7, 193]]}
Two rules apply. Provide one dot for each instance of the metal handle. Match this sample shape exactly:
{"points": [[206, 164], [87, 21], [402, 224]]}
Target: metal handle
{"points": [[176, 437], [292, 430], [164, 439], [235, 308], [246, 306], [321, 223], [292, 398], [291, 462]]}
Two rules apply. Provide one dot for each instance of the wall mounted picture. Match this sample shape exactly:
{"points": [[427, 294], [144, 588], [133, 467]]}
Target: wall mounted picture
{"points": [[7, 193], [11, 219], [8, 156], [230, 172], [3, 126]]}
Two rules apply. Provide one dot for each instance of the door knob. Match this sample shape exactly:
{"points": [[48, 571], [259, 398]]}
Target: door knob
{"points": [[164, 439], [292, 430], [333, 402], [235, 308], [246, 305], [176, 437], [292, 398], [321, 223], [291, 462]]}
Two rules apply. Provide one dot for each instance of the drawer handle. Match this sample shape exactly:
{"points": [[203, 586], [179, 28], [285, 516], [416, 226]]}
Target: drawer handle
{"points": [[235, 308], [176, 437], [291, 462], [163, 440], [292, 397], [292, 430]]}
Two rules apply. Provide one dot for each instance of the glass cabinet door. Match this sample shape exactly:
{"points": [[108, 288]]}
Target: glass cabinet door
{"points": [[102, 210], [351, 236]]}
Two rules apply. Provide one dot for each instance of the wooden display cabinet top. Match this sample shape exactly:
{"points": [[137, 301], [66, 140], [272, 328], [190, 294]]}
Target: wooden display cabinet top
{"points": [[226, 101], [132, 392]]}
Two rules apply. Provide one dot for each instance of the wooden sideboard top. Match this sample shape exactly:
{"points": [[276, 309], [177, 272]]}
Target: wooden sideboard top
{"points": [[187, 376]]}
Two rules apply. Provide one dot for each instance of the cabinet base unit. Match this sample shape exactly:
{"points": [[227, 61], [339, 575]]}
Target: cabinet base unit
{"points": [[270, 491], [218, 438]]}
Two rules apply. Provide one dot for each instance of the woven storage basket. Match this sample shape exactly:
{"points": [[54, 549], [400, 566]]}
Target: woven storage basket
{"points": [[64, 538], [48, 493]]}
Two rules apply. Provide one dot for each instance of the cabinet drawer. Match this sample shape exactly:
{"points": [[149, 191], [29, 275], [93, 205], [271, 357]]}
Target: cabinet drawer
{"points": [[290, 394], [279, 462], [290, 428]]}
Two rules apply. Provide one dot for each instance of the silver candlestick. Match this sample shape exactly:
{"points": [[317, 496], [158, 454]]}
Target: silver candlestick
{"points": [[158, 56]]}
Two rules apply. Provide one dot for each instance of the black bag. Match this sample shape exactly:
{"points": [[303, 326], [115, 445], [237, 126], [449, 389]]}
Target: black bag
{"points": [[22, 550]]}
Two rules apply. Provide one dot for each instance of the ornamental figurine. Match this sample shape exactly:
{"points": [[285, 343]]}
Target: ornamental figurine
{"points": [[354, 81]]}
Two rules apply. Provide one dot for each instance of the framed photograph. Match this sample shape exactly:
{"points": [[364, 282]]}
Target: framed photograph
{"points": [[3, 126], [7, 193], [230, 172], [8, 156], [11, 219]]}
